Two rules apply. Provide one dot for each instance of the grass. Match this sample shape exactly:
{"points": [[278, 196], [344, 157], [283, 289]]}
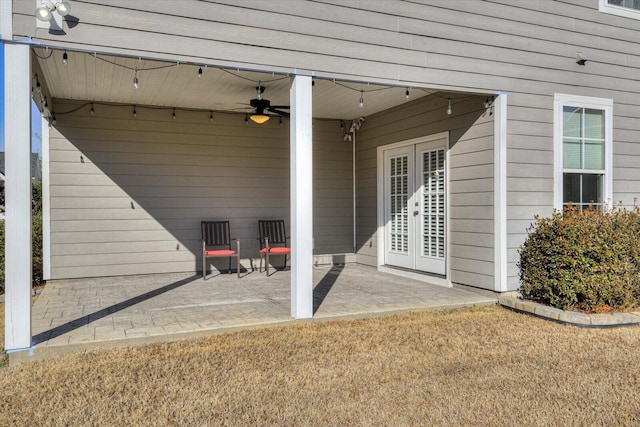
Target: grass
{"points": [[481, 366], [3, 358]]}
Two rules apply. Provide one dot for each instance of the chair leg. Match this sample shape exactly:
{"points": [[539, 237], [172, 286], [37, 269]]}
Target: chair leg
{"points": [[260, 268], [204, 267], [267, 262], [238, 265], [229, 268]]}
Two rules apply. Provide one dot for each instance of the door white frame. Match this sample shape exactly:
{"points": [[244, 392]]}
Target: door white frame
{"points": [[424, 277]]}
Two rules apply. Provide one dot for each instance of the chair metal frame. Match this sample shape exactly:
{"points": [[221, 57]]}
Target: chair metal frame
{"points": [[217, 234], [272, 232]]}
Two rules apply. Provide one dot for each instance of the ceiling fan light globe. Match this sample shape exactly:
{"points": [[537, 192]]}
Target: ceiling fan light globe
{"points": [[259, 118]]}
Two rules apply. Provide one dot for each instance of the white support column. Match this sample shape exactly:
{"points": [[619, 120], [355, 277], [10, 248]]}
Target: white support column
{"points": [[500, 193], [17, 137], [46, 205], [301, 199]]}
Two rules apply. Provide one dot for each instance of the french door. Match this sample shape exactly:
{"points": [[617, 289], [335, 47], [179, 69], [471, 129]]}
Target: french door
{"points": [[415, 206]]}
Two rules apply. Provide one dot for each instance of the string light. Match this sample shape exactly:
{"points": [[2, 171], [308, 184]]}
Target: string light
{"points": [[92, 111], [210, 116], [53, 118], [449, 110], [342, 124], [174, 114], [280, 121], [135, 113], [200, 72], [361, 98], [135, 79], [65, 57], [246, 119], [407, 93]]}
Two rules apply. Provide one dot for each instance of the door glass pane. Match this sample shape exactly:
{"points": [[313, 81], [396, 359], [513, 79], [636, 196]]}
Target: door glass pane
{"points": [[399, 215], [433, 202]]}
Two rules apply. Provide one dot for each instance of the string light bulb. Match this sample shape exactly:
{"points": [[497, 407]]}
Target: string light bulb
{"points": [[173, 116], [92, 111], [53, 119], [135, 113], [449, 109], [361, 103], [342, 124], [136, 84], [210, 116], [200, 72], [407, 93], [65, 58], [281, 121], [246, 119]]}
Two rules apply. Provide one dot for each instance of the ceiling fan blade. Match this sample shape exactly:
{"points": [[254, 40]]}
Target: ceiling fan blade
{"points": [[280, 112], [286, 107]]}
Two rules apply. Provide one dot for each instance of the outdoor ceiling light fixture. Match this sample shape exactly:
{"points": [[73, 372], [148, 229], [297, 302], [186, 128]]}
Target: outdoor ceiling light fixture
{"points": [[45, 11], [259, 118]]}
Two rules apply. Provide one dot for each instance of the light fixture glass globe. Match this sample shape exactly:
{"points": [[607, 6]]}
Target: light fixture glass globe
{"points": [[63, 8], [259, 118], [43, 14]]}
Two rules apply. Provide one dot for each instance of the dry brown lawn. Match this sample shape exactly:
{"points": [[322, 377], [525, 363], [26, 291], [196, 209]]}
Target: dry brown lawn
{"points": [[481, 366]]}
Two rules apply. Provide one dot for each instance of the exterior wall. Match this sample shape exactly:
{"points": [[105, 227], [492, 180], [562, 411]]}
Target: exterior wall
{"points": [[526, 49], [470, 179], [128, 194]]}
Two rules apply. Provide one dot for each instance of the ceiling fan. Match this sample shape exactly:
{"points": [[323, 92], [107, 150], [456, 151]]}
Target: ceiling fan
{"points": [[262, 106]]}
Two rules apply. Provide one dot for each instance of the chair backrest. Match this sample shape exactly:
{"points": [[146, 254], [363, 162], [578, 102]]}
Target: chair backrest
{"points": [[274, 230], [216, 233]]}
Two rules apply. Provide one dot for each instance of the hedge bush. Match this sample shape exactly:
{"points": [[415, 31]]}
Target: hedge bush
{"points": [[36, 239], [583, 260]]}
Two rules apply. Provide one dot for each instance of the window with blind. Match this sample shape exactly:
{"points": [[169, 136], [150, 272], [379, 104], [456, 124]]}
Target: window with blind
{"points": [[583, 150], [627, 8]]}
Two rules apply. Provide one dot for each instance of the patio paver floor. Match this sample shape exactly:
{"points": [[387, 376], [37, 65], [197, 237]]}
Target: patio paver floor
{"points": [[78, 314]]}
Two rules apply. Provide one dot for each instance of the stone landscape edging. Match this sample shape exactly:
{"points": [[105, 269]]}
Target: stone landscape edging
{"points": [[514, 301]]}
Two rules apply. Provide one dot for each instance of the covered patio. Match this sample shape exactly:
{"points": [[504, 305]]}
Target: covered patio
{"points": [[82, 314]]}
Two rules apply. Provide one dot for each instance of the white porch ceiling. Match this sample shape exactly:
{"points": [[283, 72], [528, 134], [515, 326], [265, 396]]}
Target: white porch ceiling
{"points": [[109, 79]]}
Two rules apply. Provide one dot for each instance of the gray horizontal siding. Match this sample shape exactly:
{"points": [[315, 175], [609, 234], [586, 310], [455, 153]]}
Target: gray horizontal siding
{"points": [[470, 180], [524, 48], [128, 195]]}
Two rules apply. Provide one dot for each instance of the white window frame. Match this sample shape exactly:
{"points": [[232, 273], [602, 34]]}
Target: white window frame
{"points": [[559, 102], [618, 10]]}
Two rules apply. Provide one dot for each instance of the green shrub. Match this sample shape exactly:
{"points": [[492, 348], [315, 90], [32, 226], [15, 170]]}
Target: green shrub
{"points": [[36, 240], [586, 260]]}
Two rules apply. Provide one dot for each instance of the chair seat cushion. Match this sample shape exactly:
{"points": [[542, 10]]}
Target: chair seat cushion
{"points": [[220, 252], [276, 250]]}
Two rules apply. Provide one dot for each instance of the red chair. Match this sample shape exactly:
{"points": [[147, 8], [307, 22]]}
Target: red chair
{"points": [[273, 241], [216, 243]]}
